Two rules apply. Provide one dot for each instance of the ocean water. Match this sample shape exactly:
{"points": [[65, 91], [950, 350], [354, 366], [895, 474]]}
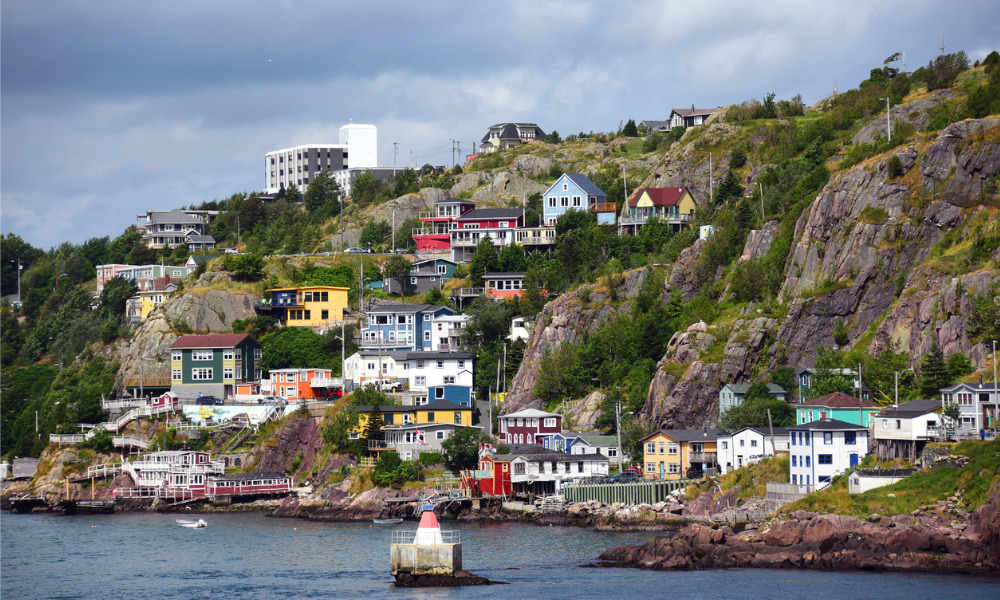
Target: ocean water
{"points": [[248, 555]]}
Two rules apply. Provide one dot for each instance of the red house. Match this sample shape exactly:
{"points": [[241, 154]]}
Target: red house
{"points": [[500, 224], [435, 230], [529, 426], [492, 478]]}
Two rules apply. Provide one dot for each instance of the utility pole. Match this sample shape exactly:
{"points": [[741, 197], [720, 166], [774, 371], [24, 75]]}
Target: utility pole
{"points": [[888, 123], [711, 194], [770, 425], [394, 228], [394, 148], [452, 140], [761, 185], [834, 87], [861, 400], [942, 43], [618, 431], [343, 350], [458, 143], [341, 222], [237, 231], [996, 396], [20, 267]]}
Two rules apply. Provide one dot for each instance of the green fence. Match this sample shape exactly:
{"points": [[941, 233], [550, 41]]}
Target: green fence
{"points": [[642, 492]]}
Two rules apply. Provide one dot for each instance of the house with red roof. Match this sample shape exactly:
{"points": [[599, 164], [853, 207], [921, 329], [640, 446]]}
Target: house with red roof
{"points": [[673, 205], [500, 224], [212, 364], [839, 406]]}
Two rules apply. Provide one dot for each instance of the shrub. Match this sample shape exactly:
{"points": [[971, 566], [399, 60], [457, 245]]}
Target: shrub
{"points": [[894, 167]]}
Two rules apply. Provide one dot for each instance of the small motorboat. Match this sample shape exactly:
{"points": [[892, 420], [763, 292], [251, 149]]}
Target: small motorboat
{"points": [[200, 523], [387, 521]]}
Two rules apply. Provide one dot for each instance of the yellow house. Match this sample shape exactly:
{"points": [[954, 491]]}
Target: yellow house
{"points": [[669, 453], [675, 205], [309, 306], [441, 411], [150, 300]]}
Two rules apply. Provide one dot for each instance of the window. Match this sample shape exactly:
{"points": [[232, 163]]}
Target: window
{"points": [[458, 417], [440, 364], [742, 443], [308, 314], [461, 364], [564, 201], [387, 418], [577, 201], [324, 314], [438, 393], [725, 445], [309, 296], [650, 467], [753, 443], [823, 478], [850, 438], [449, 380], [671, 448], [175, 375], [201, 355], [807, 436], [227, 373], [824, 459], [673, 468], [427, 318], [227, 354], [439, 435], [430, 417], [427, 336], [202, 374], [898, 424], [518, 468], [650, 449], [795, 462], [795, 479], [257, 353], [808, 460], [827, 437], [661, 447], [565, 187], [549, 422], [420, 381]]}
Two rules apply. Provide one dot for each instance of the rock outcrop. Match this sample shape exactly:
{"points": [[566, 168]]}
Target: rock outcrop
{"points": [[921, 542]]}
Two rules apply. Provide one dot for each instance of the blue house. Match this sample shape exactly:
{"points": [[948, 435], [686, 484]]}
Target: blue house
{"points": [[404, 327], [573, 191]]}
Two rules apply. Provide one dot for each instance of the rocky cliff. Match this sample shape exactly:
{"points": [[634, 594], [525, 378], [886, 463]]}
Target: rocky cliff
{"points": [[866, 252]]}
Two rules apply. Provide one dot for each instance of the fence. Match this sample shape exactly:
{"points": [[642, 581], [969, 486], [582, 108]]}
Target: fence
{"points": [[783, 493], [640, 492], [409, 537]]}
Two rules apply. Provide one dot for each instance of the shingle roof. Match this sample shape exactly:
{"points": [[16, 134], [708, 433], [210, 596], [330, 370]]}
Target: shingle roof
{"points": [[173, 216], [499, 275], [885, 472], [691, 435], [402, 307], [693, 112], [766, 432], [665, 196], [912, 409], [438, 355], [509, 131], [828, 425], [529, 413], [653, 124], [210, 340], [838, 400], [200, 239], [741, 388], [584, 183]]}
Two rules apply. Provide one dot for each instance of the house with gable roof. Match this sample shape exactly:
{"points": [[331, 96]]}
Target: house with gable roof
{"points": [[575, 191], [529, 426], [404, 327], [732, 394], [690, 117], [212, 364], [171, 228], [979, 404], [903, 431], [673, 205], [509, 135], [823, 449], [435, 226]]}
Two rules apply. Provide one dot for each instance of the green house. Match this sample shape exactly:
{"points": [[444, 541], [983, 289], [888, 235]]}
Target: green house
{"points": [[839, 406], [212, 364]]}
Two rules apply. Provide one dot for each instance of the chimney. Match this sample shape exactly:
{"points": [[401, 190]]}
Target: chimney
{"points": [[980, 380]]}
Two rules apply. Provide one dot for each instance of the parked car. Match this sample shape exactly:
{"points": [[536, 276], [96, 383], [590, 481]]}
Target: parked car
{"points": [[358, 250], [384, 385], [755, 457], [624, 477], [694, 472], [209, 401]]}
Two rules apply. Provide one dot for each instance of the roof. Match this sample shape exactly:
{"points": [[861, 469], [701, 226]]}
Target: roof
{"points": [[307, 287], [653, 124], [584, 183], [477, 214], [403, 307], [529, 413], [437, 405], [984, 387], [838, 400], [438, 355], [250, 476], [438, 425], [665, 196], [211, 340], [764, 431], [499, 275], [828, 425], [885, 472], [203, 239], [598, 439], [693, 112], [741, 388], [509, 131], [539, 453], [912, 409], [172, 216], [393, 354], [690, 435], [433, 261]]}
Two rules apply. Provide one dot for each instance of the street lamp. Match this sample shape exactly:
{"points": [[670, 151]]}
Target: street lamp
{"points": [[895, 377], [618, 430], [888, 123]]}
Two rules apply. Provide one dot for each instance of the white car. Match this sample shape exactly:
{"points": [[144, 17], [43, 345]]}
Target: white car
{"points": [[384, 385], [755, 458]]}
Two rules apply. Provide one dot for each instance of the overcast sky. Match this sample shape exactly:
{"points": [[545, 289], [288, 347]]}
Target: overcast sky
{"points": [[111, 108]]}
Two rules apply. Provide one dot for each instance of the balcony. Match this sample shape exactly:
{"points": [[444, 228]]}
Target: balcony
{"points": [[378, 445], [642, 219], [536, 236], [604, 207], [702, 457], [437, 229]]}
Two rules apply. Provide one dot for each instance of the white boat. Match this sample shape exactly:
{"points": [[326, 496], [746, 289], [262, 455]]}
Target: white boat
{"points": [[387, 521], [200, 523]]}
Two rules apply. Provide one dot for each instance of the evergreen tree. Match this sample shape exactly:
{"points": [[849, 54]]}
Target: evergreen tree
{"points": [[933, 372], [630, 129], [484, 260], [374, 425]]}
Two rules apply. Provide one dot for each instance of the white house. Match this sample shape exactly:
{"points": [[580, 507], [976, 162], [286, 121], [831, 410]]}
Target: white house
{"points": [[822, 449], [734, 451], [862, 480], [542, 471], [440, 376], [978, 404], [903, 431], [595, 443], [364, 365], [410, 440]]}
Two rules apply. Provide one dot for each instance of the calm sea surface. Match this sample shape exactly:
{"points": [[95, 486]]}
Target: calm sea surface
{"points": [[241, 555]]}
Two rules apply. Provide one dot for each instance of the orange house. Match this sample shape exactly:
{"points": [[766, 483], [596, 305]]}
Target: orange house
{"points": [[304, 384], [503, 285]]}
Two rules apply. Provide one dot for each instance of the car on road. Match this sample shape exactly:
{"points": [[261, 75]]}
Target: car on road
{"points": [[358, 250], [694, 472], [384, 385], [209, 401], [755, 458], [623, 477]]}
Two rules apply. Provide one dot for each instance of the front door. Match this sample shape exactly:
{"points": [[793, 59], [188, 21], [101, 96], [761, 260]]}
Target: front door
{"points": [[854, 460], [663, 470]]}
